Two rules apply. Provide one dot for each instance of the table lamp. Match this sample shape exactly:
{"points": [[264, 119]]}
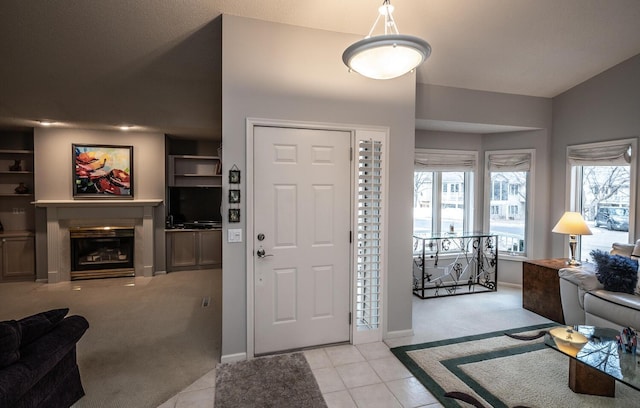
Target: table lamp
{"points": [[573, 224]]}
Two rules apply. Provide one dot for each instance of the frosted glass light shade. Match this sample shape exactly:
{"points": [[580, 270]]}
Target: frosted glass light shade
{"points": [[386, 56]]}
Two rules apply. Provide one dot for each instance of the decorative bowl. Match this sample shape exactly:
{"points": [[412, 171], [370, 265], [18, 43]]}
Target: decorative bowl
{"points": [[568, 340]]}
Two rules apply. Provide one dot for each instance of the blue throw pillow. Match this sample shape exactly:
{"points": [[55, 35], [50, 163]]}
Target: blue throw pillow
{"points": [[33, 327], [9, 342], [617, 273]]}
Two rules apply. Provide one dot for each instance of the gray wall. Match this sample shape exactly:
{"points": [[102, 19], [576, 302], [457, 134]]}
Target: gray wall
{"points": [[448, 104], [606, 107], [285, 72], [53, 170], [468, 106]]}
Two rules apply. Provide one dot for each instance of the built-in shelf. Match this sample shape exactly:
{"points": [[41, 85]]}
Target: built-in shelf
{"points": [[14, 151], [16, 195], [195, 171], [15, 172]]}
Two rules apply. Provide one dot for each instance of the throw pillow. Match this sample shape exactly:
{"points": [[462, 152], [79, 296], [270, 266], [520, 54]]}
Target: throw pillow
{"points": [[9, 343], [617, 273], [33, 327]]}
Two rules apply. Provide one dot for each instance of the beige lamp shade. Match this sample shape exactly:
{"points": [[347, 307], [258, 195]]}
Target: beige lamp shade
{"points": [[572, 223]]}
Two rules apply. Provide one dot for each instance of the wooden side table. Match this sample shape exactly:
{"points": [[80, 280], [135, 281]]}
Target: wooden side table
{"points": [[541, 287]]}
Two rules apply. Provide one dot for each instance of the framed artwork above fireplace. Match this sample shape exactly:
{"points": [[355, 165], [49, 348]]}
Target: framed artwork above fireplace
{"points": [[102, 171]]}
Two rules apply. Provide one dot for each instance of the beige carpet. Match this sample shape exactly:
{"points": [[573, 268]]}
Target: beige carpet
{"points": [[148, 339], [528, 374]]}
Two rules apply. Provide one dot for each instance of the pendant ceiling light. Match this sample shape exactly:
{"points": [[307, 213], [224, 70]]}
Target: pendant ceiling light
{"points": [[387, 55]]}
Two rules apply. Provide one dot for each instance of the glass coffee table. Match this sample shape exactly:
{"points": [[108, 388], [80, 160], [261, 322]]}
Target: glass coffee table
{"points": [[595, 367]]}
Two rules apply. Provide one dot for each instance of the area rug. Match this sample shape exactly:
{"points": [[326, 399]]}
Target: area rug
{"points": [[281, 381], [501, 371]]}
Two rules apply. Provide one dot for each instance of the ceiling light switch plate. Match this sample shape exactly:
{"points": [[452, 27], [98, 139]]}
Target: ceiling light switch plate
{"points": [[234, 235]]}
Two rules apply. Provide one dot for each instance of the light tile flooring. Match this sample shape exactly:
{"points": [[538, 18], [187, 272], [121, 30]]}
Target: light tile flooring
{"points": [[369, 376]]}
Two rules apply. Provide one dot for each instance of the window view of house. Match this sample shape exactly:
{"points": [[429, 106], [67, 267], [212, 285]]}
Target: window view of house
{"points": [[605, 199], [507, 198], [508, 205], [601, 180], [442, 184], [450, 201]]}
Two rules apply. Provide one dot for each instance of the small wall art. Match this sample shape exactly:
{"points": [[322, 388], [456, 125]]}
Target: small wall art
{"points": [[234, 175], [234, 215], [234, 196], [102, 171]]}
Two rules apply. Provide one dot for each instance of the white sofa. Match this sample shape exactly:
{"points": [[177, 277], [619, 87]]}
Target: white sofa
{"points": [[584, 300]]}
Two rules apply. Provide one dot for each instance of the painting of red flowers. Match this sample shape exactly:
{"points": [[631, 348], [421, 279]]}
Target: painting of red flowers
{"points": [[102, 171]]}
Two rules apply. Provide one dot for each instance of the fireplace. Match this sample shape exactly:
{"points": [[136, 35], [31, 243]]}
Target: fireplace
{"points": [[102, 252]]}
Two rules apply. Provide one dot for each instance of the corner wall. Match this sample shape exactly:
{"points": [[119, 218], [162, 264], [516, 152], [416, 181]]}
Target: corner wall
{"points": [[606, 107], [447, 104], [278, 71]]}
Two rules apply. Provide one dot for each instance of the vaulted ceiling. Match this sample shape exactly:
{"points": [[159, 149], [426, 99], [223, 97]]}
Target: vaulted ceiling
{"points": [[528, 47]]}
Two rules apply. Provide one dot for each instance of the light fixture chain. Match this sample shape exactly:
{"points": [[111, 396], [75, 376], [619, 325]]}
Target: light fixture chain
{"points": [[373, 27]]}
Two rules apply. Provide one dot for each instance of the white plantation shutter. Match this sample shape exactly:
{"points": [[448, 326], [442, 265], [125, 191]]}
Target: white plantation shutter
{"points": [[369, 239]]}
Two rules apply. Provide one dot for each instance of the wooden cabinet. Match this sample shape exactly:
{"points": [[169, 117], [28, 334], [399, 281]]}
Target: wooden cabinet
{"points": [[17, 256], [210, 248], [194, 249], [541, 287], [194, 171]]}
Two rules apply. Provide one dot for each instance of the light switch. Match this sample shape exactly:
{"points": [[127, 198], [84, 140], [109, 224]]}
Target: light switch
{"points": [[234, 235]]}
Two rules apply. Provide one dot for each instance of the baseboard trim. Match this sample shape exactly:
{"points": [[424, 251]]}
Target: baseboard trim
{"points": [[232, 358], [399, 333]]}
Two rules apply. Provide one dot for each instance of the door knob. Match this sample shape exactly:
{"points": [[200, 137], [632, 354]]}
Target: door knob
{"points": [[262, 254]]}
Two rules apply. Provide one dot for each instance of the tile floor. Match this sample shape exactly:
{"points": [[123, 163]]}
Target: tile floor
{"points": [[363, 376], [369, 375]]}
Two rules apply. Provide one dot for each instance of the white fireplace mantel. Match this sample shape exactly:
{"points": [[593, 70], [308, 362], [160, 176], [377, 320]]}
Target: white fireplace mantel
{"points": [[61, 214], [96, 203]]}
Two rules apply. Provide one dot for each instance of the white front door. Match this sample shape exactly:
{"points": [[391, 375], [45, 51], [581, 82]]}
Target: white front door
{"points": [[301, 237]]}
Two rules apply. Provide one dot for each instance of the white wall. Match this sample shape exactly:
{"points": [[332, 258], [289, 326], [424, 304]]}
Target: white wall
{"points": [[606, 107], [285, 72]]}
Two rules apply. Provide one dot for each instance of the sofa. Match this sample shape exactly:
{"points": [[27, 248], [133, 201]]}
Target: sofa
{"points": [[38, 365], [586, 301]]}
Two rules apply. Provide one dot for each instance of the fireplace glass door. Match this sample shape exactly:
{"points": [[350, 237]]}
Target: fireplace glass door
{"points": [[100, 252]]}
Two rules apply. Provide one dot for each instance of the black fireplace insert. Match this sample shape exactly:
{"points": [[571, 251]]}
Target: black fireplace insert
{"points": [[102, 252]]}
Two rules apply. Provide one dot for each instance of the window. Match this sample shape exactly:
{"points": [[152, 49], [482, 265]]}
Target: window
{"points": [[499, 190], [602, 184], [508, 180], [443, 191]]}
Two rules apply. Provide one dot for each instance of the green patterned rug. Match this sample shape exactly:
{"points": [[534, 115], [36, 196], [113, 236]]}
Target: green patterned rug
{"points": [[502, 372]]}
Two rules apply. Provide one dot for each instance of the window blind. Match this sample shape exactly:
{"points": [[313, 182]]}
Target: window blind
{"points": [[444, 161], [509, 161], [602, 155]]}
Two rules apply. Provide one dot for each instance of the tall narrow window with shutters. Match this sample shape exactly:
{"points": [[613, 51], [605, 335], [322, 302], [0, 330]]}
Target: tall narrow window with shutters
{"points": [[603, 180], [507, 192], [370, 167]]}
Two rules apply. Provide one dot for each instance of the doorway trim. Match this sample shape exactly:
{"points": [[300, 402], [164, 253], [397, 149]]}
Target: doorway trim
{"points": [[251, 123]]}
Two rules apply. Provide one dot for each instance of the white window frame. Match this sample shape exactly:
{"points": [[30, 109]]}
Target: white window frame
{"points": [[573, 199], [471, 179], [530, 191]]}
